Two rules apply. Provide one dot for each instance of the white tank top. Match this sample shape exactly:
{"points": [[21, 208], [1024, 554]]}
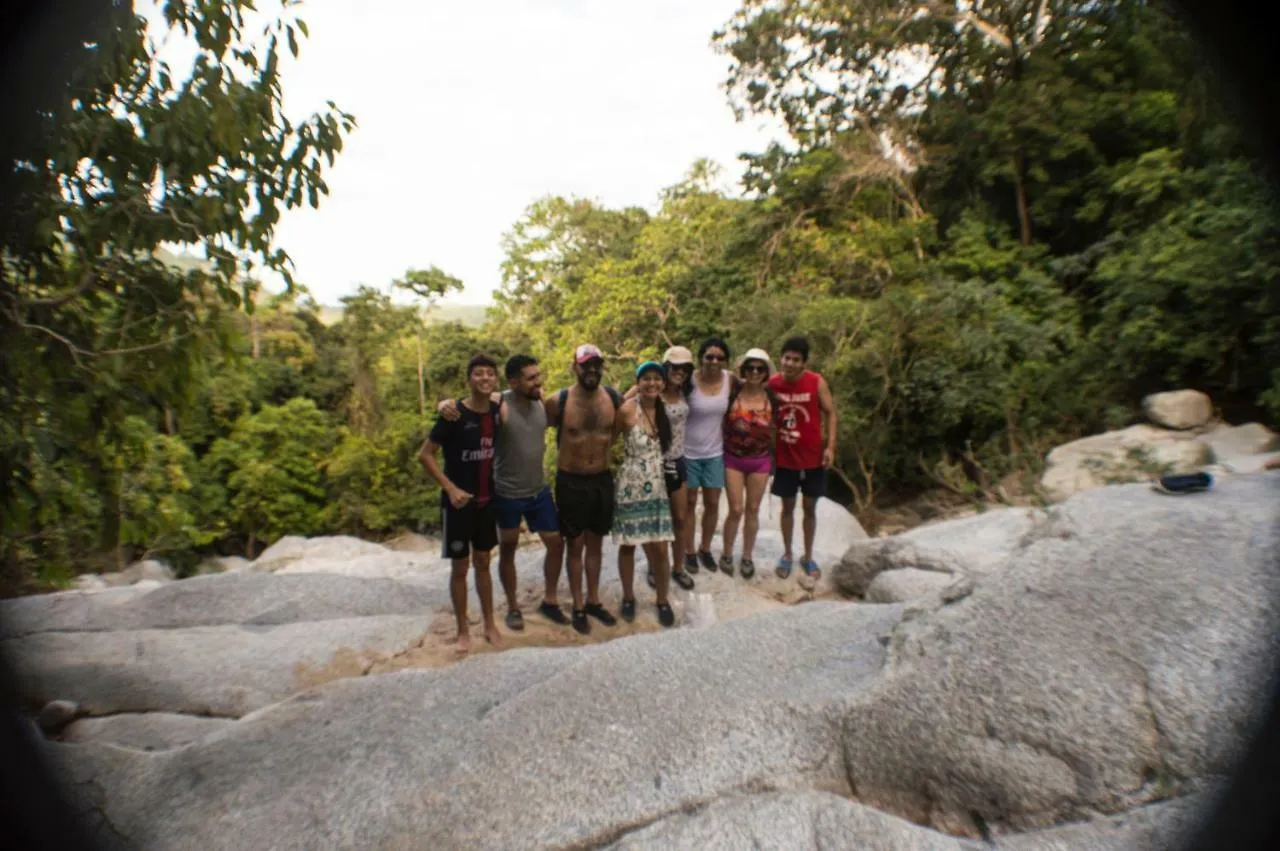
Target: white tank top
{"points": [[704, 432]]}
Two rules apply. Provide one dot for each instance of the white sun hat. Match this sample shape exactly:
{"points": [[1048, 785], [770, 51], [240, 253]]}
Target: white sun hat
{"points": [[756, 354]]}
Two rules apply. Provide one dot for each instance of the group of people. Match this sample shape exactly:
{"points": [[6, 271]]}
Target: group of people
{"points": [[688, 429]]}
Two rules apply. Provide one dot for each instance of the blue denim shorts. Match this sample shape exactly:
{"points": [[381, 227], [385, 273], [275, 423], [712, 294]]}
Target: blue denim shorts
{"points": [[705, 472], [538, 511]]}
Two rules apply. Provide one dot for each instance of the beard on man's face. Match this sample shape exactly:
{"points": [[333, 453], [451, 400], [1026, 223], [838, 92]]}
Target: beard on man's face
{"points": [[589, 379]]}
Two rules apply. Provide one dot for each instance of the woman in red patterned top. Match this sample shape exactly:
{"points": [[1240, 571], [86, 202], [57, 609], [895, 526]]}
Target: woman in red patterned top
{"points": [[748, 457]]}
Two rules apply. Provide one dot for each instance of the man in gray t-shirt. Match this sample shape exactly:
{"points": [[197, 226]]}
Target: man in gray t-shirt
{"points": [[520, 485]]}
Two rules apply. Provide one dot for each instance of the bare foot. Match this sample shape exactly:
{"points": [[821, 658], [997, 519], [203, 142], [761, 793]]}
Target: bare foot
{"points": [[463, 644], [494, 637]]}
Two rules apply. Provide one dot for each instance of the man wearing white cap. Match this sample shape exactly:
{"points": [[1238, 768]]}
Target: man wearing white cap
{"points": [[584, 415]]}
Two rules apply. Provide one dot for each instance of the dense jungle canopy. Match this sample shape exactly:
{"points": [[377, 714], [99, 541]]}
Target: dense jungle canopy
{"points": [[1000, 223]]}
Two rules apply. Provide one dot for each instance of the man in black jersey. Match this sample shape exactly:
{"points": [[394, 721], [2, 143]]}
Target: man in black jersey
{"points": [[466, 498]]}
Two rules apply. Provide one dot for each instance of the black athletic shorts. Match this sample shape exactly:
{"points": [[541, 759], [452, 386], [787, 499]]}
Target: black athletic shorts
{"points": [[585, 502], [676, 473], [812, 482], [471, 527]]}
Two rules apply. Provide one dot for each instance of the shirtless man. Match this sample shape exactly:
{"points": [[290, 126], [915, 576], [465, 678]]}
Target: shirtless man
{"points": [[584, 481]]}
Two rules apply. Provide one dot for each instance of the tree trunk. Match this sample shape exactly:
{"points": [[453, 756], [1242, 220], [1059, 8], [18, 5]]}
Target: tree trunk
{"points": [[168, 421], [1020, 189], [253, 333], [422, 386]]}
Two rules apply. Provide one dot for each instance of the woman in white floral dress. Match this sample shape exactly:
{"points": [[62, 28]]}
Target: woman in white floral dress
{"points": [[642, 513]]}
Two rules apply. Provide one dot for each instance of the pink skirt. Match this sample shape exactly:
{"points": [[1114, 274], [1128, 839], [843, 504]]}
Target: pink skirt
{"points": [[749, 465]]}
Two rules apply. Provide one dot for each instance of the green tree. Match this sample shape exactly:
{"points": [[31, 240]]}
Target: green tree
{"points": [[270, 468], [94, 326]]}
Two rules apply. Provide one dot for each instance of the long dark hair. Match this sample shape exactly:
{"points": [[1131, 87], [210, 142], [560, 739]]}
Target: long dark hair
{"points": [[663, 423]]}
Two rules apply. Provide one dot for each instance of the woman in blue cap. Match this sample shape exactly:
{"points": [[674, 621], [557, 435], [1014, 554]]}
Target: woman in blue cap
{"points": [[642, 514]]}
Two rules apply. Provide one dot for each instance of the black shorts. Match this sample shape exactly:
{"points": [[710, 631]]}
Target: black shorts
{"points": [[471, 527], [813, 482], [675, 473], [585, 502]]}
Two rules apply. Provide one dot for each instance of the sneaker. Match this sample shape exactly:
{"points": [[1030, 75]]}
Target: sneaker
{"points": [[707, 560], [600, 613], [628, 611], [666, 617], [580, 622], [515, 620], [726, 564], [552, 612], [683, 579], [691, 563], [748, 568]]}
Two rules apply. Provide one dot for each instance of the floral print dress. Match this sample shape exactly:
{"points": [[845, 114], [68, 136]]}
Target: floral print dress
{"points": [[642, 514]]}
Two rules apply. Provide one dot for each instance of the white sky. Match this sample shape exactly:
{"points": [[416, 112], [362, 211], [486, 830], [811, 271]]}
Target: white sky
{"points": [[468, 112]]}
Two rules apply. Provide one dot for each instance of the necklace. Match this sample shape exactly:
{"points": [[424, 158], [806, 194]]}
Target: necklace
{"points": [[651, 425]]}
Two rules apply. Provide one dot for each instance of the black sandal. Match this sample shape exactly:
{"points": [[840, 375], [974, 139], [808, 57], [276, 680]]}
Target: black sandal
{"points": [[683, 579], [666, 617], [600, 613], [580, 622], [552, 612], [628, 610]]}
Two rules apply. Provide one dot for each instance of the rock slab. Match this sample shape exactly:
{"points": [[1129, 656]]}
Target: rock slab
{"points": [[1181, 409]]}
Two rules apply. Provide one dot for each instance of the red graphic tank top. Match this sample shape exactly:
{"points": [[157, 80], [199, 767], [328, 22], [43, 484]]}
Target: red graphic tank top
{"points": [[799, 417]]}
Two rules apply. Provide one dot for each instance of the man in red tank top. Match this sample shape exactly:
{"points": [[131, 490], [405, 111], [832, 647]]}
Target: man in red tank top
{"points": [[802, 455]]}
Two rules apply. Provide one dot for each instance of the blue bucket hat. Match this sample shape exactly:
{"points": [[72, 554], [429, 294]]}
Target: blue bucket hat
{"points": [[648, 365]]}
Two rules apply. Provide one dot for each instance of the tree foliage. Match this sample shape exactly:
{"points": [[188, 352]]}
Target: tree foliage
{"points": [[1000, 223]]}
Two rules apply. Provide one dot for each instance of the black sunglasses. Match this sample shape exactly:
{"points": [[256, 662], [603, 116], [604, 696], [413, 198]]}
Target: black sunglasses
{"points": [[713, 358], [755, 367]]}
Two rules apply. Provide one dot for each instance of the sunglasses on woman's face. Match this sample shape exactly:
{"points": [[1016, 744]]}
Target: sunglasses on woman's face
{"points": [[713, 358], [754, 367], [679, 367]]}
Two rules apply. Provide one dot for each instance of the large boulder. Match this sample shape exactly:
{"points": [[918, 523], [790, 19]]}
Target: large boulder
{"points": [[251, 600], [292, 548], [1127, 455], [139, 571], [1243, 448], [526, 749], [147, 731], [908, 583], [969, 547], [1155, 827], [1112, 660], [788, 819], [1181, 409], [223, 671], [1122, 653]]}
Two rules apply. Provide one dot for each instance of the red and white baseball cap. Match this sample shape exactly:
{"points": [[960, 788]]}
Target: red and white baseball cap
{"points": [[586, 352]]}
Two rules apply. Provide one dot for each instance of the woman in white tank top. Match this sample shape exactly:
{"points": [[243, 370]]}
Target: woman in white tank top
{"points": [[704, 447]]}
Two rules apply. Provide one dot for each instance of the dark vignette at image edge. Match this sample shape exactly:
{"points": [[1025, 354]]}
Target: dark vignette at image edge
{"points": [[36, 35]]}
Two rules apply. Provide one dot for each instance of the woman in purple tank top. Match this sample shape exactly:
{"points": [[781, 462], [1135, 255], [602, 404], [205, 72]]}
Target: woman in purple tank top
{"points": [[704, 447]]}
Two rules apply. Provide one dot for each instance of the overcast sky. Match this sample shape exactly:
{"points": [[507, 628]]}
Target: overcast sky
{"points": [[468, 112]]}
